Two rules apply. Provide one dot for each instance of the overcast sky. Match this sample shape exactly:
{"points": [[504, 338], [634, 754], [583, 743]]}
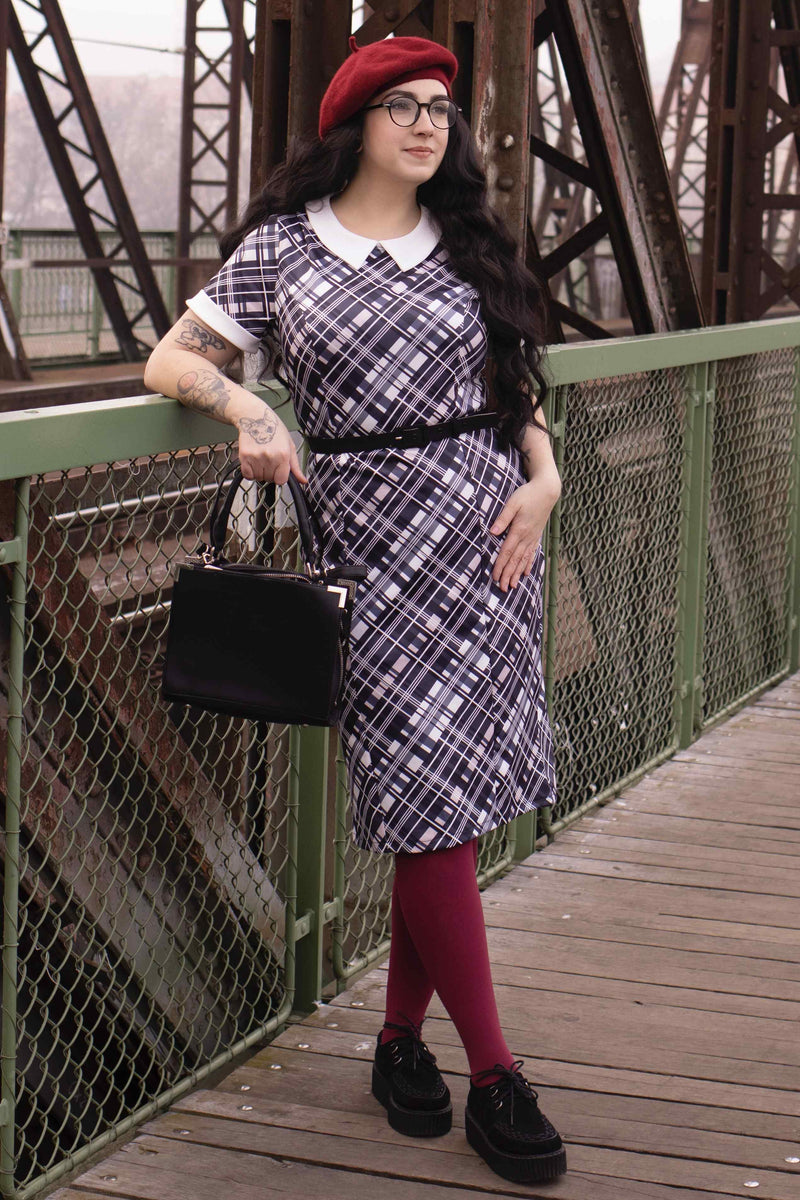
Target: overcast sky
{"points": [[159, 23]]}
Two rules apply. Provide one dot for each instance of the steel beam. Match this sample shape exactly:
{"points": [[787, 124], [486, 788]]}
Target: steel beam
{"points": [[501, 124], [271, 72], [68, 121], [208, 188], [752, 121], [13, 362], [612, 103], [683, 116]]}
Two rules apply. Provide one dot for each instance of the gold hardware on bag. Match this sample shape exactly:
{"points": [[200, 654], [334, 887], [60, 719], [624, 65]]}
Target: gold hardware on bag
{"points": [[342, 593]]}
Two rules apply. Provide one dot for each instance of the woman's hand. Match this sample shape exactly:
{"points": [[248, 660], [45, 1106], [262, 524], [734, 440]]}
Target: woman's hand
{"points": [[523, 518], [266, 449]]}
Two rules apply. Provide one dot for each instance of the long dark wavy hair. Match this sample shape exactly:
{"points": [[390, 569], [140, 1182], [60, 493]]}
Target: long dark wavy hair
{"points": [[481, 248]]}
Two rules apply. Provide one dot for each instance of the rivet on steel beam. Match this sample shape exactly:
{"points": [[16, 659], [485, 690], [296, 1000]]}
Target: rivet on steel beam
{"points": [[613, 14], [786, 281], [507, 141], [392, 14], [505, 183], [664, 218]]}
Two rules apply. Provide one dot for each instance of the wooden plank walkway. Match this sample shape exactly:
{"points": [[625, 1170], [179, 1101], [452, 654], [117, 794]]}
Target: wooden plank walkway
{"points": [[648, 970]]}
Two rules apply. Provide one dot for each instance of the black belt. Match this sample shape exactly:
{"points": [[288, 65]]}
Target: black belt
{"points": [[409, 435]]}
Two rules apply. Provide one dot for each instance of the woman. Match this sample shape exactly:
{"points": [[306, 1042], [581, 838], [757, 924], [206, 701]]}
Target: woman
{"points": [[371, 269]]}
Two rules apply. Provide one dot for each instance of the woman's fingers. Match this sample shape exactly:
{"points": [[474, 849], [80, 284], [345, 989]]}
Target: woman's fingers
{"points": [[270, 462], [516, 558]]}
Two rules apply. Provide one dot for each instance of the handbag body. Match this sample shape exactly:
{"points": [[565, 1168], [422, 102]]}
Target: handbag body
{"points": [[255, 641]]}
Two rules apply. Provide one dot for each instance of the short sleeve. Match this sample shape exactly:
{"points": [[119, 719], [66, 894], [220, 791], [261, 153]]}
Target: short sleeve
{"points": [[239, 302]]}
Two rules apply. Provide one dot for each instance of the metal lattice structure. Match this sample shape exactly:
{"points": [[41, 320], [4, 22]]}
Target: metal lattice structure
{"points": [[217, 64], [13, 361], [83, 163], [748, 265], [620, 161], [683, 117]]}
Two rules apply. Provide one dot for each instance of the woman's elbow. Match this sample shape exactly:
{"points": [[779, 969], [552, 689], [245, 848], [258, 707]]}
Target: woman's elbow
{"points": [[156, 374]]}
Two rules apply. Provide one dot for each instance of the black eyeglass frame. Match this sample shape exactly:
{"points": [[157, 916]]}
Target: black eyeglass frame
{"points": [[420, 105]]}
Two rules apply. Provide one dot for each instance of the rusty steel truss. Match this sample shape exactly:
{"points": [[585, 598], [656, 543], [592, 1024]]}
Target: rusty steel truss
{"points": [[82, 160], [752, 204], [558, 96], [218, 65], [497, 46]]}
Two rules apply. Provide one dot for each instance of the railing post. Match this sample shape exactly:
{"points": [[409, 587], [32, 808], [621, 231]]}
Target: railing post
{"points": [[694, 550], [310, 923], [15, 276], [794, 533], [15, 552], [556, 423]]}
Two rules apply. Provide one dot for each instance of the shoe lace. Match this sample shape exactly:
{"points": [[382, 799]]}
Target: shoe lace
{"points": [[420, 1052], [510, 1084]]}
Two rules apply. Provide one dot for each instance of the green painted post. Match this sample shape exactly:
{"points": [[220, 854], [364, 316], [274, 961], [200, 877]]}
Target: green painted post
{"points": [[8, 1036], [694, 542], [794, 536], [15, 276], [556, 419], [312, 793], [96, 320]]}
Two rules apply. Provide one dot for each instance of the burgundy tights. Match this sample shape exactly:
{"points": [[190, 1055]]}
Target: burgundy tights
{"points": [[439, 942]]}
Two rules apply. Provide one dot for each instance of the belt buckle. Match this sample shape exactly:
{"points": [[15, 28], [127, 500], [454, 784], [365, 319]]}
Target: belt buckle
{"points": [[406, 439]]}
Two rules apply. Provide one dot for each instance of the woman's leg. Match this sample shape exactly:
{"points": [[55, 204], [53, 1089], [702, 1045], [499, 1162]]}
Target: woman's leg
{"points": [[441, 905], [408, 990]]}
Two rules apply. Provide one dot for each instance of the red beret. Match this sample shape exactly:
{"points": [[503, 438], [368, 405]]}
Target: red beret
{"points": [[379, 66]]}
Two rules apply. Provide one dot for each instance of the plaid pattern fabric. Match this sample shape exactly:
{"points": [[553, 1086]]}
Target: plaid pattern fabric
{"points": [[444, 726]]}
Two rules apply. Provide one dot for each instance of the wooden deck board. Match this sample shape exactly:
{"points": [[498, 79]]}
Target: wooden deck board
{"points": [[647, 967]]}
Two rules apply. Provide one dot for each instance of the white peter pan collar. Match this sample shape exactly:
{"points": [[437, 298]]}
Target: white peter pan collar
{"points": [[406, 251]]}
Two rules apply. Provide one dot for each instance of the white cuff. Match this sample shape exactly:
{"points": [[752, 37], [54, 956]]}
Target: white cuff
{"points": [[217, 319]]}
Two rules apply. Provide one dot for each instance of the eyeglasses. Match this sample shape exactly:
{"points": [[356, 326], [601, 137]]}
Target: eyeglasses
{"points": [[404, 110]]}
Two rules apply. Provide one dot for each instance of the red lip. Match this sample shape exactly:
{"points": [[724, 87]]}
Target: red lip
{"points": [[420, 152]]}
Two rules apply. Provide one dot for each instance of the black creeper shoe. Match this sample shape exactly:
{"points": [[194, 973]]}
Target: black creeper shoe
{"points": [[408, 1084], [506, 1127]]}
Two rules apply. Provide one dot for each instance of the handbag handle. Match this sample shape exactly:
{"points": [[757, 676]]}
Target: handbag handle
{"points": [[306, 519]]}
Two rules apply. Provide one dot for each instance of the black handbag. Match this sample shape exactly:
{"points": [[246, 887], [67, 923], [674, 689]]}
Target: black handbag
{"points": [[255, 641]]}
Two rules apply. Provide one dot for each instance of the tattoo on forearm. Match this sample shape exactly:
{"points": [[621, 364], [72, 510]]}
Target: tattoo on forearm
{"points": [[260, 429], [197, 337], [204, 391]]}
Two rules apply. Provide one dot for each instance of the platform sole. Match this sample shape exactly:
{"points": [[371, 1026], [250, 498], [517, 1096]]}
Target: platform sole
{"points": [[410, 1121], [519, 1168]]}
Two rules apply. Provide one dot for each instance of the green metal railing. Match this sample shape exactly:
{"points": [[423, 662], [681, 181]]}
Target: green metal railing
{"points": [[175, 884], [59, 311]]}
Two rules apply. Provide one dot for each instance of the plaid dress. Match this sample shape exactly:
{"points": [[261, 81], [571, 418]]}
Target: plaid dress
{"points": [[444, 727]]}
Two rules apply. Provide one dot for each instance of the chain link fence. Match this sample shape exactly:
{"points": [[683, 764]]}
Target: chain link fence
{"points": [[750, 502], [174, 881], [155, 855]]}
